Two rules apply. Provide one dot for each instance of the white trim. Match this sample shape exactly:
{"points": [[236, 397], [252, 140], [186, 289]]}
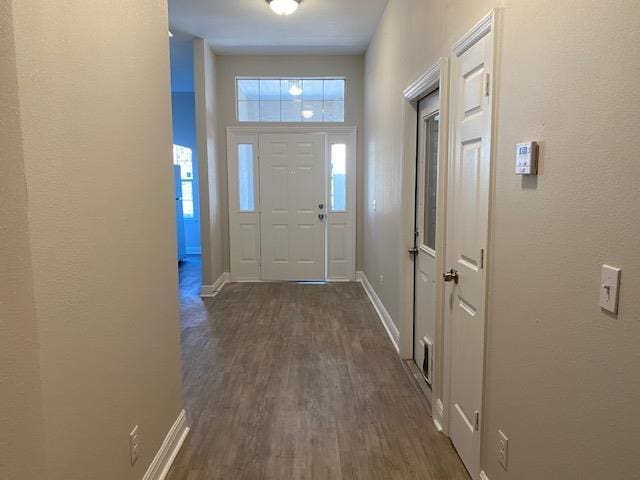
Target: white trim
{"points": [[257, 129], [334, 270], [209, 291], [386, 319], [435, 77], [170, 447], [436, 423], [426, 82], [478, 31], [488, 25]]}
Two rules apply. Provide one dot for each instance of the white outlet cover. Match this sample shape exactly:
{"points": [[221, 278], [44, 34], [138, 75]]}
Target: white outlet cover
{"points": [[609, 288]]}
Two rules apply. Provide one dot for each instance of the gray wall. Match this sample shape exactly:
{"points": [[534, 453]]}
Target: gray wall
{"points": [[231, 66], [93, 312], [561, 375], [21, 418], [210, 165]]}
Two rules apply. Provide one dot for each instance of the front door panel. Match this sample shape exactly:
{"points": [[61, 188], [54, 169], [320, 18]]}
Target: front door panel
{"points": [[292, 188]]}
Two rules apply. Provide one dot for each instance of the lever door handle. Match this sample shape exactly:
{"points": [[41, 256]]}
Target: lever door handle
{"points": [[451, 276]]}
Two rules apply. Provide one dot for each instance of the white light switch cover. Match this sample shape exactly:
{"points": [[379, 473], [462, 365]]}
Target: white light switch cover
{"points": [[609, 288]]}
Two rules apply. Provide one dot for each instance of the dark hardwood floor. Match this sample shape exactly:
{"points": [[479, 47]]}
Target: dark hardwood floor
{"points": [[287, 381]]}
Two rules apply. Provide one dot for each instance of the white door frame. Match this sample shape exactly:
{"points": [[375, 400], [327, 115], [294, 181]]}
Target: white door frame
{"points": [[488, 24], [345, 222], [437, 77], [434, 78]]}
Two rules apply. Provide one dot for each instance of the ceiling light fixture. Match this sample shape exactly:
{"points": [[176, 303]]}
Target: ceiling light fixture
{"points": [[295, 89], [284, 7], [307, 114]]}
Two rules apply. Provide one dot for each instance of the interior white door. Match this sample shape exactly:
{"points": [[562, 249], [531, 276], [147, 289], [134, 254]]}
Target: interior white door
{"points": [[467, 220], [426, 218], [293, 206]]}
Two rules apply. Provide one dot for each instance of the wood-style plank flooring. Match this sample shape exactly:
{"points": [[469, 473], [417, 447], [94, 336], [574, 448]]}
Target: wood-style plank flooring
{"points": [[287, 381]]}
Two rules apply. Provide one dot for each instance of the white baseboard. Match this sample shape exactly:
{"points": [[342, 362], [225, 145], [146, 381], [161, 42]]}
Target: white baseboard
{"points": [[386, 319], [436, 424], [170, 447], [438, 415], [208, 291], [483, 476]]}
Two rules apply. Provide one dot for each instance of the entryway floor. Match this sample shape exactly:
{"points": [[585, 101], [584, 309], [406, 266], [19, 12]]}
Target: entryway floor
{"points": [[287, 381]]}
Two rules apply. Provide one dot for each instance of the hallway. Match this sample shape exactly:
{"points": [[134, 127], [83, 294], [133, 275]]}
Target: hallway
{"points": [[289, 381]]}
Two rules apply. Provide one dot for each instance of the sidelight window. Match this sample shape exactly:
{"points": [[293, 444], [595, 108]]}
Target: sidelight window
{"points": [[245, 178]]}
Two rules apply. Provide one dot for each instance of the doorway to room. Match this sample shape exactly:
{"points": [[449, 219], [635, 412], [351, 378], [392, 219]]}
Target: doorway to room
{"points": [[425, 267], [185, 155]]}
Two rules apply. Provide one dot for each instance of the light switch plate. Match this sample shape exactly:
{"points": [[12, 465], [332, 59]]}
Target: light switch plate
{"points": [[610, 288]]}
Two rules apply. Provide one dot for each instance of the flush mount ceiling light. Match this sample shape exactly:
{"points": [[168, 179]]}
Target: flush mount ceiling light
{"points": [[284, 7], [307, 114]]}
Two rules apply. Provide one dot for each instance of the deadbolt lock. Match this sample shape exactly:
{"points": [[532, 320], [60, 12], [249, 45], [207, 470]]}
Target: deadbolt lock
{"points": [[321, 206]]}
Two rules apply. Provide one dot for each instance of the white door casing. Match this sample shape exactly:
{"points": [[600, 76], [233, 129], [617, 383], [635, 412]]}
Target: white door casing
{"points": [[340, 223], [426, 221], [293, 206], [467, 234]]}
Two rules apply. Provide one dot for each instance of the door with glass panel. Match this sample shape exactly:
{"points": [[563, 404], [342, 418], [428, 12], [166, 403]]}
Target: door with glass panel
{"points": [[425, 248], [293, 206]]}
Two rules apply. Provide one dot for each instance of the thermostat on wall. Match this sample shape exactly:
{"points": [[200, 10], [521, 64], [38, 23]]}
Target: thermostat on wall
{"points": [[527, 158]]}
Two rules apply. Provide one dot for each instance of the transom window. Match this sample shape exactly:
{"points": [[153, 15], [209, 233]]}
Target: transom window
{"points": [[293, 100]]}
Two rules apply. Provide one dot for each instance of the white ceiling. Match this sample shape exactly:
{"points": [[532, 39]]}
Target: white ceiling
{"points": [[250, 27]]}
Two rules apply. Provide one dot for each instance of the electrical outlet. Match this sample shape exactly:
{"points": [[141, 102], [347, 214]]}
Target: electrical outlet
{"points": [[134, 444], [503, 449]]}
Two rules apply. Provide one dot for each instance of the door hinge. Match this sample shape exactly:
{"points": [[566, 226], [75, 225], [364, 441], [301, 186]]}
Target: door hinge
{"points": [[482, 258], [477, 425], [487, 85]]}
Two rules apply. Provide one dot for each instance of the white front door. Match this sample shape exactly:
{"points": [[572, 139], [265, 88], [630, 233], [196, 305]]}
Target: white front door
{"points": [[426, 218], [467, 220], [293, 206]]}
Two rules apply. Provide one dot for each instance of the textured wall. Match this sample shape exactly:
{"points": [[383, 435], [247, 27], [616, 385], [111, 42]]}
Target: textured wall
{"points": [[210, 166], [93, 82], [21, 419], [561, 375], [232, 66]]}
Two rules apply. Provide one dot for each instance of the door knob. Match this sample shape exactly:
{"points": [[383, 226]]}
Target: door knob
{"points": [[414, 251], [321, 216], [451, 276], [321, 206]]}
